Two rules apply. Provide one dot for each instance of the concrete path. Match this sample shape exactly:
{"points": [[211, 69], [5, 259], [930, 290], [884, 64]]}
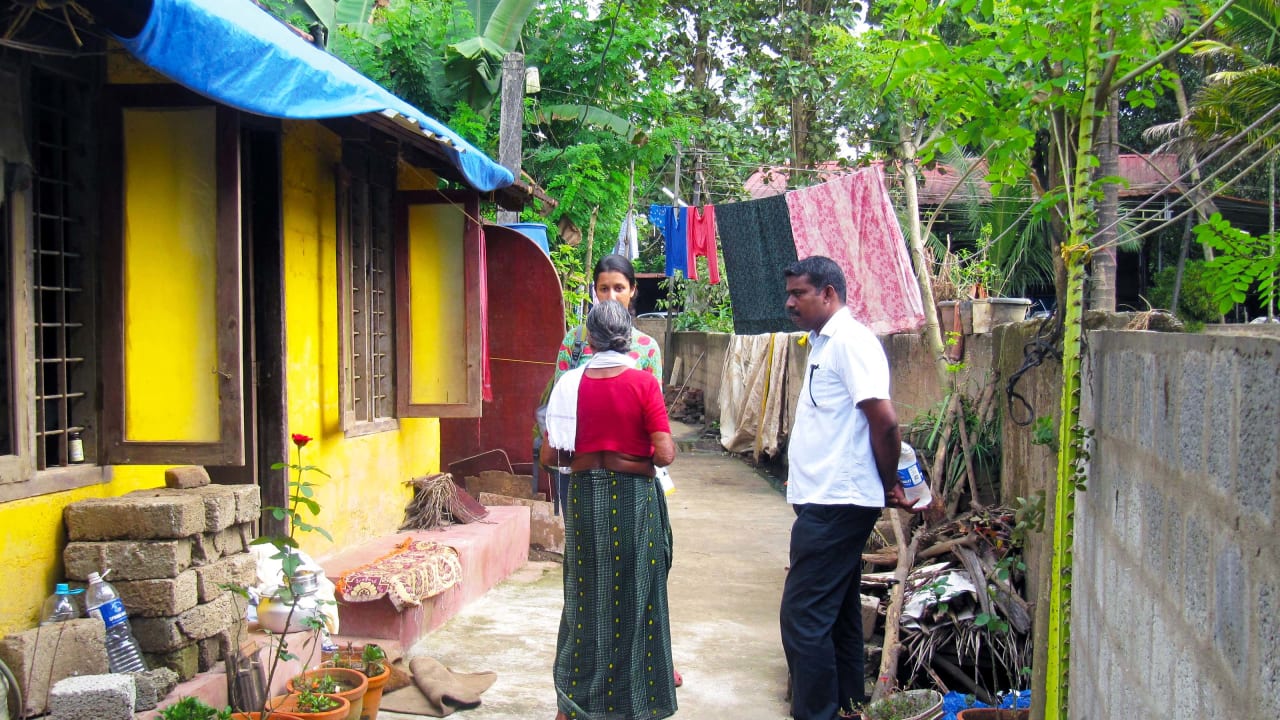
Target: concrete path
{"points": [[731, 531]]}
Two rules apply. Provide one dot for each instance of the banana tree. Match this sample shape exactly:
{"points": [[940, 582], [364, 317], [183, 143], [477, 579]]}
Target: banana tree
{"points": [[329, 14], [474, 64], [594, 116]]}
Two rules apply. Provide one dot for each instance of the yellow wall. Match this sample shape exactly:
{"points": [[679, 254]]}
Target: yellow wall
{"points": [[366, 496], [33, 537], [171, 242]]}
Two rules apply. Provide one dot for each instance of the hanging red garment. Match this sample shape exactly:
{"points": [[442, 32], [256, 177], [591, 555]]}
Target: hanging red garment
{"points": [[702, 242]]}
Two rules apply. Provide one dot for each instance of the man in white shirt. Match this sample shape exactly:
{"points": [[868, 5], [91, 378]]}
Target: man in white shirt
{"points": [[843, 469]]}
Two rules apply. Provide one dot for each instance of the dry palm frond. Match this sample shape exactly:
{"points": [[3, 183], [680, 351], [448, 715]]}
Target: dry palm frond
{"points": [[433, 496], [27, 8]]}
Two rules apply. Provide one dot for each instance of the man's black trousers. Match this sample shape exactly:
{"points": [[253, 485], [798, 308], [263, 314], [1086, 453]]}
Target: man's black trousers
{"points": [[821, 614]]}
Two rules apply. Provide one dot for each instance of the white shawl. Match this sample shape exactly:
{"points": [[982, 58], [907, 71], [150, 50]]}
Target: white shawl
{"points": [[562, 407]]}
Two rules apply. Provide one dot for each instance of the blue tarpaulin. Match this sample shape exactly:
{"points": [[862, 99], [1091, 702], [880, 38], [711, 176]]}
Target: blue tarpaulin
{"points": [[954, 702], [237, 54]]}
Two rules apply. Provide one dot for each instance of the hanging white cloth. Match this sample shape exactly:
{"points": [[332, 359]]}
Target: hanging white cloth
{"points": [[628, 243], [562, 407]]}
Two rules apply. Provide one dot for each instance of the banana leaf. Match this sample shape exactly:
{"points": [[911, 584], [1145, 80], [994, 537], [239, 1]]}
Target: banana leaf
{"points": [[592, 116]]}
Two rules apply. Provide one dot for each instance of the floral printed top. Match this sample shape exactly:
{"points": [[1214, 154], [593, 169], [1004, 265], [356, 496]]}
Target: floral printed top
{"points": [[643, 348]]}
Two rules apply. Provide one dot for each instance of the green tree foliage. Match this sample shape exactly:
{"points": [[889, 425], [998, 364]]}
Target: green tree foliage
{"points": [[1195, 299], [1247, 44], [1243, 264]]}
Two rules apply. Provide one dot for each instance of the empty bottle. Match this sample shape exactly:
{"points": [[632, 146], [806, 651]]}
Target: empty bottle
{"points": [[61, 605], [913, 484], [104, 603]]}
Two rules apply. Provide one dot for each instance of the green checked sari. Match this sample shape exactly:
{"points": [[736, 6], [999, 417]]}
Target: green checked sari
{"points": [[613, 654]]}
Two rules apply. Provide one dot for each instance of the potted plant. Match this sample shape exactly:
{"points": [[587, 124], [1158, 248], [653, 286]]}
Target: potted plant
{"points": [[192, 708], [951, 294], [906, 705], [292, 604], [345, 683], [307, 705], [371, 660], [984, 282]]}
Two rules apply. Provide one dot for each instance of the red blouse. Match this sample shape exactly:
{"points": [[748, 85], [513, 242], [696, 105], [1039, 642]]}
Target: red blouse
{"points": [[620, 413]]}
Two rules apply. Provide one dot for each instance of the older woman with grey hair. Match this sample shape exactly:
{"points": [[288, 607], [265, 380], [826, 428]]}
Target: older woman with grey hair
{"points": [[607, 422]]}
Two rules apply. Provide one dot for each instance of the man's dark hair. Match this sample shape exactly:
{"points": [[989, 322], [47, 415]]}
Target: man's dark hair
{"points": [[820, 271]]}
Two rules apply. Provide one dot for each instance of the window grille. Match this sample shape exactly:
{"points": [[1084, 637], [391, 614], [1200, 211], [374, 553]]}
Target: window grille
{"points": [[61, 303], [368, 279]]}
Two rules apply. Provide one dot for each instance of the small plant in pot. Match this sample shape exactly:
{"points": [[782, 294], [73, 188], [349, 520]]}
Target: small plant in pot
{"points": [[190, 708], [344, 683], [371, 660], [906, 705], [308, 705]]}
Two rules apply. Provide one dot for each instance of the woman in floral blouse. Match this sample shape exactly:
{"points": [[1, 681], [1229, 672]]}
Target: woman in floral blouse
{"points": [[615, 279]]}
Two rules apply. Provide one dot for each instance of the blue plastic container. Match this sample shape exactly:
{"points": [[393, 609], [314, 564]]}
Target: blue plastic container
{"points": [[534, 231]]}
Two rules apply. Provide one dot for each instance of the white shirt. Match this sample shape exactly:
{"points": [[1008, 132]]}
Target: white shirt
{"points": [[829, 453]]}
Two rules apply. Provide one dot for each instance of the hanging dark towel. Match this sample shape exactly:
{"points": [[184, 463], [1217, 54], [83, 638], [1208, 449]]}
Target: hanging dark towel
{"points": [[756, 239]]}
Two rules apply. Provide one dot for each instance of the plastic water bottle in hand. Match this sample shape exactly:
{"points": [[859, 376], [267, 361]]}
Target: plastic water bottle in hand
{"points": [[104, 603], [61, 605], [913, 484]]}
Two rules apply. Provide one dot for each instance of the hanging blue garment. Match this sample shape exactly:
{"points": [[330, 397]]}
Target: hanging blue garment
{"points": [[674, 224], [237, 54]]}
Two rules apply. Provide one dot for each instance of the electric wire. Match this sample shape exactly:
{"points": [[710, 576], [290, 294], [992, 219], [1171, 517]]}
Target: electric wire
{"points": [[1207, 179]]}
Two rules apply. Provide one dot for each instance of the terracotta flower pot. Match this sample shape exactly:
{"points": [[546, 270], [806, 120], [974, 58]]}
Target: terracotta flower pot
{"points": [[355, 682], [993, 714], [927, 706], [258, 716], [373, 698], [289, 704]]}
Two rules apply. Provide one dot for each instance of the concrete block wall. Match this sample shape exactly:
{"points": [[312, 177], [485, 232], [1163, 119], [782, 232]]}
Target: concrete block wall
{"points": [[1176, 602], [915, 378], [168, 551]]}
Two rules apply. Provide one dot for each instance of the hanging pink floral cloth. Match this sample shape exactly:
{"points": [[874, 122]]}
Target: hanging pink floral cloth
{"points": [[413, 572], [850, 219]]}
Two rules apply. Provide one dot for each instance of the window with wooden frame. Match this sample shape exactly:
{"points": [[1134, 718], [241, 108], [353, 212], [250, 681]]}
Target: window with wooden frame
{"points": [[366, 288], [64, 268], [172, 374], [439, 272], [49, 271]]}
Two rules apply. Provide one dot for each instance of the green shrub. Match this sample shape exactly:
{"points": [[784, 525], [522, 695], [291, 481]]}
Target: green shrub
{"points": [[1195, 299]]}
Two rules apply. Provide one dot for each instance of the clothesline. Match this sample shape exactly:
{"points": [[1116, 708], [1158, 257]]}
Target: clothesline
{"points": [[850, 218]]}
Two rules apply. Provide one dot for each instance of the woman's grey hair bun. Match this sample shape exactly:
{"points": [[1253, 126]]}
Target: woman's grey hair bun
{"points": [[609, 327]]}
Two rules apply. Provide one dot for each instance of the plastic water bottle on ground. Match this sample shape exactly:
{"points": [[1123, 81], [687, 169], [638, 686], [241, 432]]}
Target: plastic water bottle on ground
{"points": [[913, 484], [61, 605], [104, 603]]}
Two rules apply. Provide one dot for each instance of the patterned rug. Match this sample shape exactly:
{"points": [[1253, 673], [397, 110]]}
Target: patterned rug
{"points": [[413, 572]]}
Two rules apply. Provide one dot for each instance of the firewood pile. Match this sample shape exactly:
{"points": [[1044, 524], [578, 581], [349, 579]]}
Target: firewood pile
{"points": [[955, 614], [686, 405]]}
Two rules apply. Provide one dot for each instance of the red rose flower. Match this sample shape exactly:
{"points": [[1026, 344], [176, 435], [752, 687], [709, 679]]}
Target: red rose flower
{"points": [[300, 440]]}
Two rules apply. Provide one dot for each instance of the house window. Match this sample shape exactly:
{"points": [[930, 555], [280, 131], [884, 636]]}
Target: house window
{"points": [[366, 187], [63, 269]]}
